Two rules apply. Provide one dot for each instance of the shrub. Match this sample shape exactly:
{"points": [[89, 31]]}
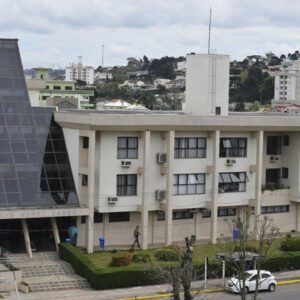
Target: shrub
{"points": [[114, 251], [121, 260], [141, 258], [175, 248], [167, 254], [290, 244]]}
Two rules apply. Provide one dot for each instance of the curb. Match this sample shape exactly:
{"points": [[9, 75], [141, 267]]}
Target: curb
{"points": [[206, 291]]}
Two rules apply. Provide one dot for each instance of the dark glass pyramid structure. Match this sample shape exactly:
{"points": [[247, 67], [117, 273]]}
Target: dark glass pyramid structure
{"points": [[34, 165]]}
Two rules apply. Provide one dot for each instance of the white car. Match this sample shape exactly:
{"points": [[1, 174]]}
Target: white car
{"points": [[266, 281]]}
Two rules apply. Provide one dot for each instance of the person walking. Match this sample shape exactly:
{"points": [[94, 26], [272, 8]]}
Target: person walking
{"points": [[136, 236]]}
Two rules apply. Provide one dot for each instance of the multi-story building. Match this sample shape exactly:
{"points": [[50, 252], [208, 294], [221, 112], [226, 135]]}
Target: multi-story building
{"points": [[287, 83], [79, 72], [44, 91], [172, 173]]}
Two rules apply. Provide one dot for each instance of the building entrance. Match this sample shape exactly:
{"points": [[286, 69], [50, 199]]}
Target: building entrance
{"points": [[11, 236]]}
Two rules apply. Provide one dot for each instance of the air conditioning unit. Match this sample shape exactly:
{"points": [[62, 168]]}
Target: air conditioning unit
{"points": [[160, 195], [161, 158], [125, 163], [230, 162], [112, 200], [274, 158]]}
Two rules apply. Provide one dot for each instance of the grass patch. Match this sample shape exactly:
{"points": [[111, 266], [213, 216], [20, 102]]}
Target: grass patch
{"points": [[101, 275]]}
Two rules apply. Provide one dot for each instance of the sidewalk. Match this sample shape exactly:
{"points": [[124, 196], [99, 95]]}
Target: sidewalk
{"points": [[138, 293]]}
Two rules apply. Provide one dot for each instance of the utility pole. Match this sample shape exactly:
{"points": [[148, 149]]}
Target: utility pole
{"points": [[102, 56], [209, 30]]}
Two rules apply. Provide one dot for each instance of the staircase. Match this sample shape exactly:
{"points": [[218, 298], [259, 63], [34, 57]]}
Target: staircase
{"points": [[45, 272]]}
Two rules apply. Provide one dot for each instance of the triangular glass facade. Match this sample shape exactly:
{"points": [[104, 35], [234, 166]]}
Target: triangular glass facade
{"points": [[34, 165]]}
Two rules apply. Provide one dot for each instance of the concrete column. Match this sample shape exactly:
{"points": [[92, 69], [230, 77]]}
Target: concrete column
{"points": [[215, 187], [91, 193], [258, 174], [55, 232], [27, 238], [145, 190], [169, 190], [297, 217]]}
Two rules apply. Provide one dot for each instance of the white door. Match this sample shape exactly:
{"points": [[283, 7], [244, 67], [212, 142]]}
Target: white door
{"points": [[252, 283], [265, 281]]}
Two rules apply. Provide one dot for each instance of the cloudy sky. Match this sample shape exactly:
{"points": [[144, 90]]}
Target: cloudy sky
{"points": [[53, 33]]}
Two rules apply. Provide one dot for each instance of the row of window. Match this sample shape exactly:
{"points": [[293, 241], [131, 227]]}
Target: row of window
{"points": [[183, 184], [196, 147], [184, 214]]}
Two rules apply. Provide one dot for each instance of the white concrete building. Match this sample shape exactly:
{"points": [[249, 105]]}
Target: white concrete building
{"points": [[79, 72], [180, 173], [287, 83], [172, 173]]}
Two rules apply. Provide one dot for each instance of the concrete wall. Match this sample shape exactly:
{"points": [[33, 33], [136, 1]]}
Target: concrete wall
{"points": [[207, 84]]}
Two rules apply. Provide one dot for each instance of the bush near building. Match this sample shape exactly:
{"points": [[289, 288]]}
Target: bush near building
{"points": [[121, 260], [290, 244], [97, 270]]}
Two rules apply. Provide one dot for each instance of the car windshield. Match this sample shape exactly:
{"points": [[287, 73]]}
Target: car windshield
{"points": [[240, 277]]}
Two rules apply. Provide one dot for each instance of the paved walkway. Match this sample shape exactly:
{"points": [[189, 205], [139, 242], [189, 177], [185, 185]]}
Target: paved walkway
{"points": [[88, 294]]}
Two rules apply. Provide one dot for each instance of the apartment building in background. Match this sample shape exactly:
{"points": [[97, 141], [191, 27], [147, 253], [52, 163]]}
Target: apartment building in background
{"points": [[172, 173], [287, 83], [79, 72], [44, 91]]}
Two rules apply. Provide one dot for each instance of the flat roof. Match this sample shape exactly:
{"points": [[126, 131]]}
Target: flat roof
{"points": [[136, 120]]}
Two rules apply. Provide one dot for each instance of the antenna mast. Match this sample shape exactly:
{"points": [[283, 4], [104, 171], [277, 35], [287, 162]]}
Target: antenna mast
{"points": [[102, 56], [209, 29]]}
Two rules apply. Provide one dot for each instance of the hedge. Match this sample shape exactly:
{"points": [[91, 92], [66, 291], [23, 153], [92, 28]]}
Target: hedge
{"points": [[110, 277], [290, 244], [105, 278]]}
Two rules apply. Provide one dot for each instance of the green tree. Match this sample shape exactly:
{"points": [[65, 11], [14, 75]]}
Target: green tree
{"points": [[239, 104], [163, 67], [147, 99], [267, 89], [255, 106]]}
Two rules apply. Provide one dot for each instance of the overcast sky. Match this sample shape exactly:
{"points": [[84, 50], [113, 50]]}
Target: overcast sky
{"points": [[53, 33]]}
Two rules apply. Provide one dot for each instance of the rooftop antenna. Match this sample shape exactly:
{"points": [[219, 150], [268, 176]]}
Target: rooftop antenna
{"points": [[102, 56], [209, 30]]}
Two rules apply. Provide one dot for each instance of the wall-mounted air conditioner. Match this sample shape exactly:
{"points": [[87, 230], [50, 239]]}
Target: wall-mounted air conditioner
{"points": [[274, 158], [160, 195], [125, 163], [112, 200], [161, 158], [230, 162]]}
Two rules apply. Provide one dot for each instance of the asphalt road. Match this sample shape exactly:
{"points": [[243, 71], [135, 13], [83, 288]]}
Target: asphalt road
{"points": [[284, 292]]}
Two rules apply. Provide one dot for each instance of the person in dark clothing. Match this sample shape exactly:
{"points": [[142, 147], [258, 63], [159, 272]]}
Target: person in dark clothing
{"points": [[136, 235]]}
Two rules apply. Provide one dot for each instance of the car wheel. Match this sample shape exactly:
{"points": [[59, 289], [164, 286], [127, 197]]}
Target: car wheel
{"points": [[272, 287]]}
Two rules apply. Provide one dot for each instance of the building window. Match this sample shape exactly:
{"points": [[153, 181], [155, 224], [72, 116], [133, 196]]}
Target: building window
{"points": [[188, 184], [206, 213], [273, 181], [176, 215], [68, 88], [226, 212], [127, 147], [83, 219], [274, 145], [57, 87], [233, 147], [98, 218], [285, 173], [119, 217], [285, 140], [232, 182], [47, 87], [85, 142], [190, 148], [126, 185], [44, 97], [275, 209], [84, 180]]}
